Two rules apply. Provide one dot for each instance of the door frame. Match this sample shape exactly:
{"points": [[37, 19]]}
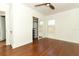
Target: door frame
{"points": [[35, 18]]}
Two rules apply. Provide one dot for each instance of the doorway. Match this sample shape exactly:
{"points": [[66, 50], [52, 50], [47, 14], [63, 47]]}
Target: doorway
{"points": [[35, 29], [2, 31]]}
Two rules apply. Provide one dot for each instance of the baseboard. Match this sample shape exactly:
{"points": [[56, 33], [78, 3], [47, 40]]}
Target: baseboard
{"points": [[2, 40], [63, 40]]}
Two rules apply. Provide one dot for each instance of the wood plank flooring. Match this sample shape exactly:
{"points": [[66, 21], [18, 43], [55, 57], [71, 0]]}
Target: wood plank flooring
{"points": [[43, 47], [2, 43]]}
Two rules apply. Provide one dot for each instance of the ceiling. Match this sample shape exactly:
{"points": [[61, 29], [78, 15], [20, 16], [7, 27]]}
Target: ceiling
{"points": [[59, 7]]}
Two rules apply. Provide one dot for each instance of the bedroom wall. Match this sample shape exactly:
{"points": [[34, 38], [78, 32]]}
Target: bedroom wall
{"points": [[66, 27]]}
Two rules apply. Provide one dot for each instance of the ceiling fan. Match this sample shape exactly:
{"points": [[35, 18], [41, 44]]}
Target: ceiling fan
{"points": [[46, 4]]}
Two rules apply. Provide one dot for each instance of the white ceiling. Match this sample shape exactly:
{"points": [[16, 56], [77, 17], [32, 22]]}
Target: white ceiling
{"points": [[59, 7]]}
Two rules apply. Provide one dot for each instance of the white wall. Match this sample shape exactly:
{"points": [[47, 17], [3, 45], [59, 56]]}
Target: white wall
{"points": [[67, 26], [23, 24]]}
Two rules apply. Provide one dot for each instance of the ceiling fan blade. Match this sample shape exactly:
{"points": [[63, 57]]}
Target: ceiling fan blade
{"points": [[40, 4], [51, 6]]}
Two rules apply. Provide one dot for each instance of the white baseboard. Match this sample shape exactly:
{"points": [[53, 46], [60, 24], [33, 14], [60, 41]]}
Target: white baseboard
{"points": [[1, 39], [77, 42]]}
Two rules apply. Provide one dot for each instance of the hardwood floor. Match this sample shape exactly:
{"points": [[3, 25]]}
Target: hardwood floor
{"points": [[2, 43], [43, 47]]}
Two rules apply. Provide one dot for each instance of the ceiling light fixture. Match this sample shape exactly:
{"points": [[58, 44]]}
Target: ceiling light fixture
{"points": [[47, 4]]}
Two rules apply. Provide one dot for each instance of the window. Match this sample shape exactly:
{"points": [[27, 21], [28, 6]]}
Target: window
{"points": [[51, 26], [51, 22]]}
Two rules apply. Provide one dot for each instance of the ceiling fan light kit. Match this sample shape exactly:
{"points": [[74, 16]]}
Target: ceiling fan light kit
{"points": [[47, 5]]}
